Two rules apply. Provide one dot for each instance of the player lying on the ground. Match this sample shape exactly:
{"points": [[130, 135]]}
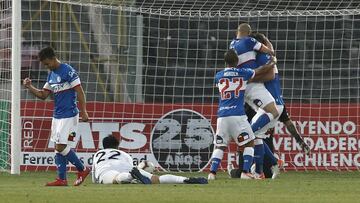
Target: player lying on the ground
{"points": [[232, 122], [64, 82], [113, 166], [274, 87], [256, 94]]}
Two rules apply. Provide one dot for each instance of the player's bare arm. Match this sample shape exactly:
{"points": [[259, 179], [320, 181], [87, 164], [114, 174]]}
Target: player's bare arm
{"points": [[82, 101], [295, 134], [39, 93], [267, 42], [269, 75], [267, 50]]}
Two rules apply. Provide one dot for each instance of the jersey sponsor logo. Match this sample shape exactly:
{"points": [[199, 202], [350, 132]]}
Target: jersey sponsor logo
{"points": [[227, 107], [60, 87], [182, 140]]}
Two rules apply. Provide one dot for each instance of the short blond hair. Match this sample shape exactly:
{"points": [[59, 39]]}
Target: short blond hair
{"points": [[244, 28]]}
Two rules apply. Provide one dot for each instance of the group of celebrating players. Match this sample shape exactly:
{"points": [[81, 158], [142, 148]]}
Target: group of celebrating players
{"points": [[250, 77]]}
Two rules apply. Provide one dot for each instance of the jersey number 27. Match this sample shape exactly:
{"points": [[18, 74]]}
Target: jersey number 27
{"points": [[230, 85]]}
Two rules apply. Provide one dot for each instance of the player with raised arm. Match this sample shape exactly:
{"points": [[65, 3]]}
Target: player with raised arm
{"points": [[113, 166], [64, 82], [232, 122]]}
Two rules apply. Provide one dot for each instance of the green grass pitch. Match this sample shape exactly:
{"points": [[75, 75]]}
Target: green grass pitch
{"points": [[289, 187]]}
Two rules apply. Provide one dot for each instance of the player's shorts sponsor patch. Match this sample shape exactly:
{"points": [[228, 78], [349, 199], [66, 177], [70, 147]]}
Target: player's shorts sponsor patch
{"points": [[243, 136], [219, 139], [258, 102]]}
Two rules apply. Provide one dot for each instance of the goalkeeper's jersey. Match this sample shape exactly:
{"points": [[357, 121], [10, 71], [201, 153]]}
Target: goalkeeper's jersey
{"points": [[61, 83], [273, 86], [110, 159]]}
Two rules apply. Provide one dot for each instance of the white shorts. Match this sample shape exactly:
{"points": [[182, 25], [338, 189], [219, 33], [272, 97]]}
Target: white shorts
{"points": [[233, 127], [109, 176], [257, 96], [262, 132], [64, 130]]}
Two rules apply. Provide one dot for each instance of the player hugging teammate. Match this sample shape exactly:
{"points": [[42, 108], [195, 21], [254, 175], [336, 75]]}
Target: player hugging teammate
{"points": [[253, 53]]}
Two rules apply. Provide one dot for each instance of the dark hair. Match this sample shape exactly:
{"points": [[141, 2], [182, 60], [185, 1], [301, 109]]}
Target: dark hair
{"points": [[110, 142], [231, 58], [46, 53], [258, 36]]}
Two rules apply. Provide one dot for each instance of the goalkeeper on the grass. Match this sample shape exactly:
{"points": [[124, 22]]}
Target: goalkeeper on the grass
{"points": [[113, 166], [64, 83]]}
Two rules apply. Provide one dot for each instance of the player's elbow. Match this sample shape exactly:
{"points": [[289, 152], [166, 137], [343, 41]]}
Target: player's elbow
{"points": [[43, 95], [272, 76]]}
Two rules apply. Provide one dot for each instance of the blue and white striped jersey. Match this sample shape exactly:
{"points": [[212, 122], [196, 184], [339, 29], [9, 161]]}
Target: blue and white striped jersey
{"points": [[273, 86], [246, 48], [231, 83], [61, 83]]}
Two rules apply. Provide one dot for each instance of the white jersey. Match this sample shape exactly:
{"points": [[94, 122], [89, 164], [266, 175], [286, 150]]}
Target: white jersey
{"points": [[110, 159]]}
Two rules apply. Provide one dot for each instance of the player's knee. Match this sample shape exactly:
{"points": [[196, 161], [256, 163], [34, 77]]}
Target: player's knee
{"points": [[60, 147], [220, 147], [271, 108], [249, 144]]}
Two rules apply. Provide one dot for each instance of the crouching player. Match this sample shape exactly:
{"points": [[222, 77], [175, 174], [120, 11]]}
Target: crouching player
{"points": [[232, 122], [113, 166]]}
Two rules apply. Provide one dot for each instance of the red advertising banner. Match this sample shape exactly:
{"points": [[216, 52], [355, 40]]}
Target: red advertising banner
{"points": [[178, 137]]}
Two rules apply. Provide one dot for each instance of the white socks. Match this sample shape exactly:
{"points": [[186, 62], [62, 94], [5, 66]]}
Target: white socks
{"points": [[172, 179]]}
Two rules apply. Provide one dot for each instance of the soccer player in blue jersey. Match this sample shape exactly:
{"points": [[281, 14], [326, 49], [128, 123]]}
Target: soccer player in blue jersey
{"points": [[256, 95], [64, 83], [246, 47], [232, 122], [262, 150], [274, 87]]}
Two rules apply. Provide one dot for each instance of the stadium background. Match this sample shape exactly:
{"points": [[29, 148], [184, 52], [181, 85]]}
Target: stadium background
{"points": [[137, 66]]}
